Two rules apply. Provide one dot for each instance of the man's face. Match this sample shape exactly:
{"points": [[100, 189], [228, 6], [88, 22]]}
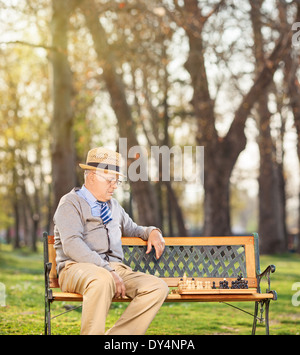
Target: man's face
{"points": [[102, 185]]}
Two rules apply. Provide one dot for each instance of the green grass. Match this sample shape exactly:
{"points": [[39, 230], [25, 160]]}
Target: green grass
{"points": [[22, 274]]}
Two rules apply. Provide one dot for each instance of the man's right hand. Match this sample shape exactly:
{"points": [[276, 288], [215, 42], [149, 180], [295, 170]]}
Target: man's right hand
{"points": [[120, 287]]}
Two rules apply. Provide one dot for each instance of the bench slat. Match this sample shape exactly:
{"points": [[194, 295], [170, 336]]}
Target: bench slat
{"points": [[228, 240], [74, 297]]}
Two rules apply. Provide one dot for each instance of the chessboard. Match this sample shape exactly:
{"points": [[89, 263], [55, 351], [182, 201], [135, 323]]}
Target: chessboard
{"points": [[198, 287], [217, 291]]}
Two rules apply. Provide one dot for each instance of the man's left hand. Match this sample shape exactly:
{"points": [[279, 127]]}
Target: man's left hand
{"points": [[157, 241]]}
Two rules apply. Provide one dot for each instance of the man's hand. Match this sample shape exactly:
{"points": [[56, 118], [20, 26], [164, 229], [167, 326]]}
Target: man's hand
{"points": [[156, 239], [120, 287]]}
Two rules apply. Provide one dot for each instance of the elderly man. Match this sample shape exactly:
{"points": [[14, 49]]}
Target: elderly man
{"points": [[89, 224]]}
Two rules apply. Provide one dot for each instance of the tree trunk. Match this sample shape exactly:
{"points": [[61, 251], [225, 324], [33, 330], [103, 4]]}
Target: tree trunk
{"points": [[174, 207], [293, 90], [15, 201], [17, 225], [143, 193], [217, 200], [221, 154], [63, 148], [271, 225]]}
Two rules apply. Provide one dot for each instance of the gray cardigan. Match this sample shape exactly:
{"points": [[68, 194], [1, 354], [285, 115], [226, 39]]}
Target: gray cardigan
{"points": [[82, 238]]}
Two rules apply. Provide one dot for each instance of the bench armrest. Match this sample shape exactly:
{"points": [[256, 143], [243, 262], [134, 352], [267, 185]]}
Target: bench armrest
{"points": [[48, 291], [269, 269], [47, 268], [266, 273]]}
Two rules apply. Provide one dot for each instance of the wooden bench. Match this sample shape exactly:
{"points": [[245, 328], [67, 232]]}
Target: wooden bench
{"points": [[204, 258]]}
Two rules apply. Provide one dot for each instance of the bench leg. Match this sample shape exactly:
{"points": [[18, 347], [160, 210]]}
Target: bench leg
{"points": [[255, 318], [47, 317], [265, 305]]}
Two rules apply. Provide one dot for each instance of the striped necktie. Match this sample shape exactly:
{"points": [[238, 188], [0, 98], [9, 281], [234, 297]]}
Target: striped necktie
{"points": [[105, 213]]}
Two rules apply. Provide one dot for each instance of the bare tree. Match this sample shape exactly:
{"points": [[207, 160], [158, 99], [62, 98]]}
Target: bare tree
{"points": [[63, 148], [271, 222], [293, 92], [221, 153], [143, 192]]}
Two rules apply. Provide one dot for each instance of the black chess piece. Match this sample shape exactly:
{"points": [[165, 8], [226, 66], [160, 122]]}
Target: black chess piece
{"points": [[224, 284], [239, 282]]}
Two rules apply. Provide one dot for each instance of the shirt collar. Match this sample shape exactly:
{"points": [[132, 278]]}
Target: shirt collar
{"points": [[87, 195]]}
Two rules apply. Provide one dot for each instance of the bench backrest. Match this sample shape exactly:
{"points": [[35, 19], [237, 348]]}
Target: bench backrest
{"points": [[207, 258]]}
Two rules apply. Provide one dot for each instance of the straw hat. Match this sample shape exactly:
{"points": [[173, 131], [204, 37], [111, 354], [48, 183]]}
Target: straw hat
{"points": [[103, 159]]}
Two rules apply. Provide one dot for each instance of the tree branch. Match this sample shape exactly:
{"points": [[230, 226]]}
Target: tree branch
{"points": [[51, 48], [214, 10], [236, 133]]}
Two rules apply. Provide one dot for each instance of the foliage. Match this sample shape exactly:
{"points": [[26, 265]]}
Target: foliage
{"points": [[163, 72]]}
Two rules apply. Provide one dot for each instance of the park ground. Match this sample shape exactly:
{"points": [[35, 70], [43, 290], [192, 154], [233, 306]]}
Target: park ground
{"points": [[21, 272]]}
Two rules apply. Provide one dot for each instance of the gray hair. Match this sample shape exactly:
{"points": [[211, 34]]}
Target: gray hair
{"points": [[86, 173]]}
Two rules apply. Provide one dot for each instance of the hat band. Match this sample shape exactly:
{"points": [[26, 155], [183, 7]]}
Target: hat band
{"points": [[105, 166]]}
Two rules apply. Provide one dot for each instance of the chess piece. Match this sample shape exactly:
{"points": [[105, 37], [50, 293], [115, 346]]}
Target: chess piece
{"points": [[184, 282], [224, 284], [199, 285], [207, 285], [180, 285]]}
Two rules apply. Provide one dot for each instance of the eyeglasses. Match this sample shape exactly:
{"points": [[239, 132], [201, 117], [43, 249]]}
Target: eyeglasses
{"points": [[110, 181]]}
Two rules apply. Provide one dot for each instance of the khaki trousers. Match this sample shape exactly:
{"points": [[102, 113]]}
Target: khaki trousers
{"points": [[98, 288]]}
